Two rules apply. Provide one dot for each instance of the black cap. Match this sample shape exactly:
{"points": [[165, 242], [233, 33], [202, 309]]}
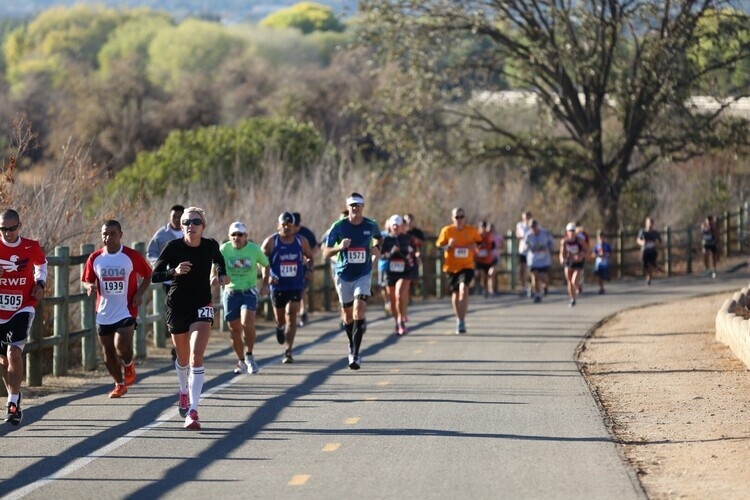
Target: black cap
{"points": [[286, 217]]}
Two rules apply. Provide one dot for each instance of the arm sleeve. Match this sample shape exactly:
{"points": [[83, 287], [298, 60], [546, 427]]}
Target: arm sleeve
{"points": [[152, 253], [40, 266], [88, 275], [162, 272]]}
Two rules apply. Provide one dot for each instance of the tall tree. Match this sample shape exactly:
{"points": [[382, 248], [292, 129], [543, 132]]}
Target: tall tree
{"points": [[613, 77]]}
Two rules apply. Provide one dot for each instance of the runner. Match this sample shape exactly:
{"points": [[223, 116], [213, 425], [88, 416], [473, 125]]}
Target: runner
{"points": [[351, 240], [710, 246], [112, 274], [306, 233], [459, 242], [383, 273], [190, 313], [399, 251], [286, 252], [582, 235], [485, 260], [23, 273], [171, 231], [572, 256], [522, 228], [649, 240], [240, 297], [418, 242], [602, 252], [497, 254], [538, 244]]}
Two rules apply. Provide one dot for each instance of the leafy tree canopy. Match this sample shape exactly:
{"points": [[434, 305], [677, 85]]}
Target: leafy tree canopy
{"points": [[612, 79], [306, 17], [130, 41], [192, 47], [219, 151]]}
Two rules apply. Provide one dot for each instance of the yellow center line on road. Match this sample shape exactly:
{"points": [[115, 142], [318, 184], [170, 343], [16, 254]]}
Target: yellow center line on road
{"points": [[299, 479], [331, 447], [432, 342], [351, 420], [418, 351], [370, 399], [383, 383], [395, 370]]}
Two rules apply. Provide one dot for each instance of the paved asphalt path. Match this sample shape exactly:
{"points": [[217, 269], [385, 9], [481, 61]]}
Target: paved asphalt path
{"points": [[501, 412]]}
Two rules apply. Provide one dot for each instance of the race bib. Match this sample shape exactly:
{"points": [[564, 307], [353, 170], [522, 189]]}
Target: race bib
{"points": [[113, 287], [460, 252], [10, 301], [206, 312], [482, 252], [649, 245], [397, 266], [288, 269], [572, 249], [356, 255]]}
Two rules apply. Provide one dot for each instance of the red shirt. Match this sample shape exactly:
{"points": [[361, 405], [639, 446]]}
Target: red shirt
{"points": [[22, 263]]}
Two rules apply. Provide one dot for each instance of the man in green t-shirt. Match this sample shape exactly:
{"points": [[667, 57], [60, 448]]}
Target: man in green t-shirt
{"points": [[240, 296]]}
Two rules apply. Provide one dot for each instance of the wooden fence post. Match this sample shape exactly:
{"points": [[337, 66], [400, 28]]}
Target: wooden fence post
{"points": [[88, 321], [512, 248], [139, 339], [160, 325], [620, 249], [438, 274], [60, 327], [689, 250], [668, 251], [727, 228], [34, 358]]}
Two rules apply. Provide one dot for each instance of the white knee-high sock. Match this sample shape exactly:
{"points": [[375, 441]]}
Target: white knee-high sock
{"points": [[196, 386], [183, 373]]}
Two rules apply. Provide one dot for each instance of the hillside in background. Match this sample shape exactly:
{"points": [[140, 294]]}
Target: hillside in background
{"points": [[228, 11]]}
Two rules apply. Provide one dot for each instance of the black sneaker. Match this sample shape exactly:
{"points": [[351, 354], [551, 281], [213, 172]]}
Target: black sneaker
{"points": [[280, 337], [354, 362], [287, 359], [14, 414]]}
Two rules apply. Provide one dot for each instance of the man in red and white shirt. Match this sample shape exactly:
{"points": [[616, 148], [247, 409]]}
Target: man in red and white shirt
{"points": [[23, 272], [112, 272]]}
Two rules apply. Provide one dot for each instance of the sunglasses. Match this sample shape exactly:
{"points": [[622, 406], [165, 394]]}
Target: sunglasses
{"points": [[9, 229], [196, 222], [236, 235], [458, 216], [356, 205]]}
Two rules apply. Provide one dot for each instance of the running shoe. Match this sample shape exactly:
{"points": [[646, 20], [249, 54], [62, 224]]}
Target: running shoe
{"points": [[406, 318], [287, 359], [601, 291], [537, 299], [14, 414], [387, 309], [401, 329], [713, 275], [119, 391], [353, 362], [460, 328], [572, 302], [240, 367], [397, 328], [183, 404], [280, 337], [129, 374], [192, 421], [302, 320], [546, 291], [252, 366]]}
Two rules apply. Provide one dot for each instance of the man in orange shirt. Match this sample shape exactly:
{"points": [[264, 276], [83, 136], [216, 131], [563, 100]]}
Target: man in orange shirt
{"points": [[459, 242]]}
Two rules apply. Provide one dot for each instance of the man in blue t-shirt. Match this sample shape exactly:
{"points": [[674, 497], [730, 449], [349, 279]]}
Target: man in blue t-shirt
{"points": [[351, 240]]}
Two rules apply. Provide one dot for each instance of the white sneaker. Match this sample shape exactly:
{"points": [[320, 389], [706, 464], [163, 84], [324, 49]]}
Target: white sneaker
{"points": [[240, 367], [252, 366]]}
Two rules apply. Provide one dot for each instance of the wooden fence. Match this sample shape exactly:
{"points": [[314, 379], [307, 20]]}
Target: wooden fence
{"points": [[681, 247]]}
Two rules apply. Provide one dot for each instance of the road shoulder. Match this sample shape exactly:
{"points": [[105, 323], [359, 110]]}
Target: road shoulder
{"points": [[677, 400]]}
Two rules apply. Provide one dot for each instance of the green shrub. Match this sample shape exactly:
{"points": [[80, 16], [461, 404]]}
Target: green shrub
{"points": [[218, 151]]}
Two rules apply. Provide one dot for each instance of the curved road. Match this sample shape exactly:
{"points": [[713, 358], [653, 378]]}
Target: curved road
{"points": [[501, 412]]}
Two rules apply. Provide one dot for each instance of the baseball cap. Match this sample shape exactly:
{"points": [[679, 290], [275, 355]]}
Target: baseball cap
{"points": [[571, 226], [395, 220], [237, 227], [286, 217]]}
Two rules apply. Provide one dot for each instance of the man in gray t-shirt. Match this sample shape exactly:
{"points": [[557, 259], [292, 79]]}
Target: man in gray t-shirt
{"points": [[538, 243], [164, 235]]}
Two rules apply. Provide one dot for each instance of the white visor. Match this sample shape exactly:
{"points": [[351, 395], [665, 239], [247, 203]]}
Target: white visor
{"points": [[355, 200]]}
